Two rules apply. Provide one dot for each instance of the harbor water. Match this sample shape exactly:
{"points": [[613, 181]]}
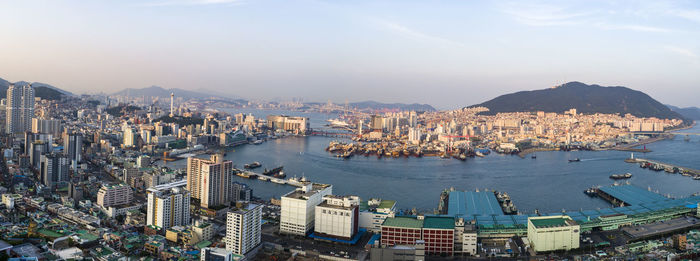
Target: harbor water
{"points": [[548, 183]]}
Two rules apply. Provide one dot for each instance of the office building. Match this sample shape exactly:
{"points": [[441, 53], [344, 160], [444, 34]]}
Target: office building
{"points": [[19, 108], [114, 195], [168, 205], [298, 208], [552, 233], [243, 229], [337, 217], [210, 180]]}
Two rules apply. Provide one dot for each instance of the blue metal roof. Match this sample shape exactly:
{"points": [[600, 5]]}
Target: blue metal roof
{"points": [[633, 195], [473, 204]]}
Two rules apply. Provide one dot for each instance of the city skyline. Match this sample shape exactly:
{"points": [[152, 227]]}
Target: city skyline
{"points": [[446, 54]]}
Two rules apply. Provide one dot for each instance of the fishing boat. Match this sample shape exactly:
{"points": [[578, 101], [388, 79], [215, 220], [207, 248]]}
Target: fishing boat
{"points": [[252, 165], [621, 176], [533, 156], [575, 160]]}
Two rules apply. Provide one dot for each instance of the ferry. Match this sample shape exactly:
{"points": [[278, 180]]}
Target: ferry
{"points": [[336, 123], [252, 165], [621, 176], [575, 160]]}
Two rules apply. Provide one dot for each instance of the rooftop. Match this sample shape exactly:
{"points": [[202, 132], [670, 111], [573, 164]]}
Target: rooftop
{"points": [[439, 222], [300, 194], [633, 195], [472, 203], [552, 222], [407, 222]]}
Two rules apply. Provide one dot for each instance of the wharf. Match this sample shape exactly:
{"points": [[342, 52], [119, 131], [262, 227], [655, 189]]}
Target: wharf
{"points": [[628, 195], [663, 165], [260, 176]]}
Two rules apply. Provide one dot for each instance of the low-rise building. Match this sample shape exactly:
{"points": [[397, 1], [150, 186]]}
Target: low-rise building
{"points": [[552, 233]]}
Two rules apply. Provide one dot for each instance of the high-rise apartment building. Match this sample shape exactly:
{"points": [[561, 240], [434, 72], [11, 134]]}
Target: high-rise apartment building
{"points": [[168, 205], [243, 229], [210, 180], [72, 147], [19, 108]]}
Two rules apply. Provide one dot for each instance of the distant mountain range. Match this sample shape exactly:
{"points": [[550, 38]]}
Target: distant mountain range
{"points": [[691, 113], [41, 90], [585, 98], [157, 91]]}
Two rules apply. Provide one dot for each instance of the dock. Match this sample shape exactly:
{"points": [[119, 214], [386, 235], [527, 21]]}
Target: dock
{"points": [[666, 166], [260, 176], [626, 195]]}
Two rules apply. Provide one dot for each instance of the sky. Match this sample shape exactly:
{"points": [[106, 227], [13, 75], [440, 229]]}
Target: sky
{"points": [[445, 53]]}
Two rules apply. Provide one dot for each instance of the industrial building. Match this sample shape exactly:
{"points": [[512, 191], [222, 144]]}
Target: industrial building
{"points": [[552, 233], [374, 212], [437, 233], [297, 215], [337, 217]]}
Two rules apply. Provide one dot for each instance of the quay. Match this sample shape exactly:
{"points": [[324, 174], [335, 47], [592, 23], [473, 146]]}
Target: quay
{"points": [[671, 168], [249, 175]]}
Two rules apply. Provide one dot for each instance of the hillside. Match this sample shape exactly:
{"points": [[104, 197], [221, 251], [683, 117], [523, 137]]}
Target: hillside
{"points": [[41, 90], [692, 113], [585, 98]]}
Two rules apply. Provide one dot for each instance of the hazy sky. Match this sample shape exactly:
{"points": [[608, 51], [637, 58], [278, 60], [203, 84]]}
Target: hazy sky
{"points": [[445, 53]]}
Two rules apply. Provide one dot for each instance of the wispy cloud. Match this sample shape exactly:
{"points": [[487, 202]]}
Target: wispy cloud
{"points": [[633, 27], [681, 51], [417, 35], [562, 15], [192, 2], [544, 14]]}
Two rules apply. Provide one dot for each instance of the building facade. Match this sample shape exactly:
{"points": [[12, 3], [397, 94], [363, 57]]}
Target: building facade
{"points": [[114, 195], [298, 208], [19, 109], [243, 229], [552, 233], [337, 217], [210, 180], [168, 205]]}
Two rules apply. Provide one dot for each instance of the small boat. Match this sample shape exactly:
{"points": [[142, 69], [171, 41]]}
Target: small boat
{"points": [[252, 165], [479, 154], [575, 160], [696, 178], [533, 156], [621, 176], [592, 191], [687, 138]]}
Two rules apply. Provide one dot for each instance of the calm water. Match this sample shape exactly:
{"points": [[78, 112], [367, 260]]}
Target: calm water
{"points": [[548, 183]]}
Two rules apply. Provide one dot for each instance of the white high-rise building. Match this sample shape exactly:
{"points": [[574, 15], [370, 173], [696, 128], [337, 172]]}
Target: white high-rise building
{"points": [[337, 217], [243, 229], [168, 205], [298, 208], [19, 108], [114, 195]]}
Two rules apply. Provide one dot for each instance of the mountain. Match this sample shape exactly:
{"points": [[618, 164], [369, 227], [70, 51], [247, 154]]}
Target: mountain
{"points": [[391, 106], [41, 90], [157, 91], [585, 98], [692, 113]]}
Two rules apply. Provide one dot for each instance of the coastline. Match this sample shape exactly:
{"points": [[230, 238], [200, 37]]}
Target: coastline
{"points": [[525, 152]]}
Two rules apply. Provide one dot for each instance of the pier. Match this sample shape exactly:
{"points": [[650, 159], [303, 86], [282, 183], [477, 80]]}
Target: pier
{"points": [[260, 176], [671, 168]]}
